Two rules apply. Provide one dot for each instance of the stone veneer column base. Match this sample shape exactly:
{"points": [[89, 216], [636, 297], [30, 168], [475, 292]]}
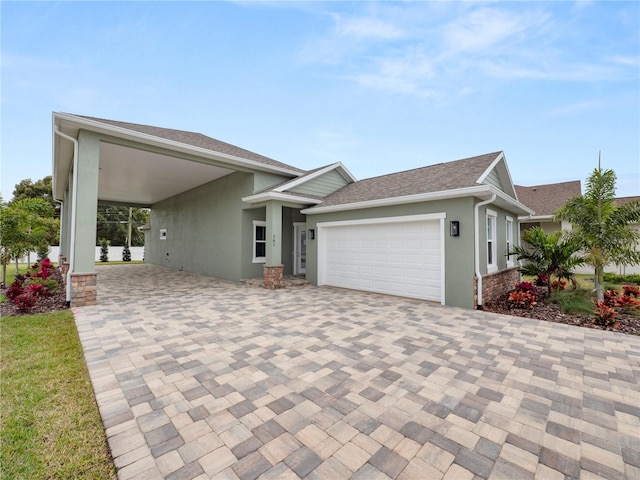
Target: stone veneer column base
{"points": [[273, 277], [84, 289], [495, 284]]}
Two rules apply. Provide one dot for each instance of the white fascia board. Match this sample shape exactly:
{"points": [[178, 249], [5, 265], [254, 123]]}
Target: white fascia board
{"points": [[170, 144], [493, 165], [302, 180], [384, 202], [484, 175], [285, 197], [520, 208], [537, 218], [480, 191]]}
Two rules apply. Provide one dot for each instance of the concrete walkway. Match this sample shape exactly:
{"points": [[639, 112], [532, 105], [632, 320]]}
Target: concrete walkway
{"points": [[200, 378]]}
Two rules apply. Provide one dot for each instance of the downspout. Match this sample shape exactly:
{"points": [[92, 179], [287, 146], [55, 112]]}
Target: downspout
{"points": [[477, 246], [74, 202]]}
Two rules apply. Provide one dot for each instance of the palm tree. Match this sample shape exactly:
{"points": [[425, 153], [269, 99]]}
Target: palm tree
{"points": [[548, 254], [603, 230]]}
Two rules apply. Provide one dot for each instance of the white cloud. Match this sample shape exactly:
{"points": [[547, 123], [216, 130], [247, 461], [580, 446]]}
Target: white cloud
{"points": [[367, 28], [438, 51], [489, 28]]}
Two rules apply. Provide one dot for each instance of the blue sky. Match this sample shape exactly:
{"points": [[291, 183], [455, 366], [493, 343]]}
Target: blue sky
{"points": [[382, 87]]}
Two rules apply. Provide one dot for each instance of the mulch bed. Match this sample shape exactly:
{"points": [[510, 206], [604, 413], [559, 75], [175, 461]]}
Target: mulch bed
{"points": [[551, 312], [56, 301], [544, 310]]}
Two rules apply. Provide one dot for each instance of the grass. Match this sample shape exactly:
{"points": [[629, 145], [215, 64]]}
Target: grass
{"points": [[49, 421], [581, 300]]}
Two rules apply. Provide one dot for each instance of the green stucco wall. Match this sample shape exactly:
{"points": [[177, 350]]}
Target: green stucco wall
{"points": [[204, 229], [210, 229], [459, 251], [459, 268]]}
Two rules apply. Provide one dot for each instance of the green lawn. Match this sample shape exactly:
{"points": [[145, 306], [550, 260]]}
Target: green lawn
{"points": [[49, 422]]}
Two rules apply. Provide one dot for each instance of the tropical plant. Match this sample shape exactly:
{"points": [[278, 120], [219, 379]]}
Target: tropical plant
{"points": [[547, 254], [603, 230]]}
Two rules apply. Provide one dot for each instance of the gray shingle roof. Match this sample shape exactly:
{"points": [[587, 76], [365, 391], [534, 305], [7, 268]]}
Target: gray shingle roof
{"points": [[547, 199], [624, 200], [196, 140], [434, 178]]}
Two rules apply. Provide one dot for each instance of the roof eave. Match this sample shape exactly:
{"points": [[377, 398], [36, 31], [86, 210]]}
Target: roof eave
{"points": [[99, 127], [284, 197], [304, 179], [480, 191]]}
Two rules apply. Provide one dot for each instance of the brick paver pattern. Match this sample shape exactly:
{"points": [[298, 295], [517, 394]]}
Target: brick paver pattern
{"points": [[200, 378]]}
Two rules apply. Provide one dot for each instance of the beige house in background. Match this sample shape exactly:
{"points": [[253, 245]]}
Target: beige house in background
{"points": [[547, 199]]}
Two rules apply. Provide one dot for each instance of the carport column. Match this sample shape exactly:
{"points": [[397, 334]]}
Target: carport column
{"points": [[273, 268], [83, 267]]}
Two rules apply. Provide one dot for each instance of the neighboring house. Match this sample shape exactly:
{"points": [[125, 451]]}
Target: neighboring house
{"points": [[437, 233], [546, 200]]}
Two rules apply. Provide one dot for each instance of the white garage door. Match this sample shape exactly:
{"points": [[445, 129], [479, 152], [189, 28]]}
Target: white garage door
{"points": [[398, 256]]}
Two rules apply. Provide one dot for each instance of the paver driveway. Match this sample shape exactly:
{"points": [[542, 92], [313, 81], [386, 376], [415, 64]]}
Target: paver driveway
{"points": [[200, 378]]}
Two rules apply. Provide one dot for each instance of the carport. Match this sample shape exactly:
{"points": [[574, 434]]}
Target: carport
{"points": [[102, 161]]}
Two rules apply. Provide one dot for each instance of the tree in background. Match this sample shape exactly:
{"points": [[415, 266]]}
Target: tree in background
{"points": [[113, 224], [25, 225], [112, 221], [40, 189], [603, 230]]}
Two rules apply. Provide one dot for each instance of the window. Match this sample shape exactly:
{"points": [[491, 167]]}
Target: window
{"points": [[492, 264], [259, 241], [509, 241]]}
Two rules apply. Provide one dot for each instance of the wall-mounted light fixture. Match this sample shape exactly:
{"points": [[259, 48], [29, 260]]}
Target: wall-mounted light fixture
{"points": [[455, 228], [312, 234]]}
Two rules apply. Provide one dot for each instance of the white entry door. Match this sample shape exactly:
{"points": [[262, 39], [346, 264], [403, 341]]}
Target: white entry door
{"points": [[300, 248]]}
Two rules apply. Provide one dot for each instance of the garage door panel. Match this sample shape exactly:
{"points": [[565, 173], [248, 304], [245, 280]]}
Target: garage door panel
{"points": [[399, 258]]}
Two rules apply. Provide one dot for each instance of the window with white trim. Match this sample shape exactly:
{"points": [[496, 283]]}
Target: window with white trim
{"points": [[492, 261], [259, 241], [509, 241]]}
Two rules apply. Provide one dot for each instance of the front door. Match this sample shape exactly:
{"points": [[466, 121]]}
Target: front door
{"points": [[300, 248]]}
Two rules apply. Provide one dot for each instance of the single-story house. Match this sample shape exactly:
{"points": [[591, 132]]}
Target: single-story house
{"points": [[546, 200], [437, 233]]}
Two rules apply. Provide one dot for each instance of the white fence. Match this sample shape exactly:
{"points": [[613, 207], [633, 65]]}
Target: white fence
{"points": [[115, 254]]}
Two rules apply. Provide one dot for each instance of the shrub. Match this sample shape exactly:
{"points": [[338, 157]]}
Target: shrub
{"points": [[630, 278], [527, 287], [126, 254], [25, 301], [631, 290], [542, 280], [26, 289], [14, 289], [605, 315], [558, 284], [104, 250], [37, 289], [519, 299]]}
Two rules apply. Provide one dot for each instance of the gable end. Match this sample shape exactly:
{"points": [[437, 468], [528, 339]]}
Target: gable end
{"points": [[321, 186]]}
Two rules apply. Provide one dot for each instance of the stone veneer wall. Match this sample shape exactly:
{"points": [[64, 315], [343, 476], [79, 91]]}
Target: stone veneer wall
{"points": [[273, 277], [495, 284], [84, 289]]}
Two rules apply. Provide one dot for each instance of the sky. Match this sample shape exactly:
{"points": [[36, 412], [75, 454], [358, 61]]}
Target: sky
{"points": [[379, 86]]}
